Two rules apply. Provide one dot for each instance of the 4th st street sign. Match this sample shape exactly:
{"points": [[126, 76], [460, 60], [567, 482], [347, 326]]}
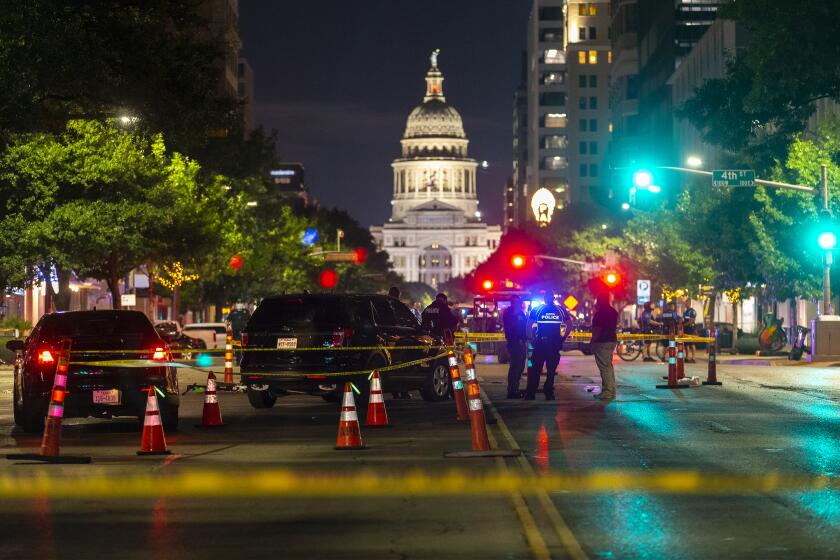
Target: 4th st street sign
{"points": [[733, 178]]}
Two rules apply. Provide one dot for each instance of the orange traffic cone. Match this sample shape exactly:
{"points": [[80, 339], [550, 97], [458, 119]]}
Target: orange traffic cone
{"points": [[211, 417], [349, 432], [51, 440], [154, 441], [228, 353], [377, 416]]}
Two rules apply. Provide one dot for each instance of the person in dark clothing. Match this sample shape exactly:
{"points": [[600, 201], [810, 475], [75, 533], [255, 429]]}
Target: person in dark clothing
{"points": [[394, 292], [549, 334], [604, 323], [438, 318], [689, 329], [515, 325], [648, 325]]}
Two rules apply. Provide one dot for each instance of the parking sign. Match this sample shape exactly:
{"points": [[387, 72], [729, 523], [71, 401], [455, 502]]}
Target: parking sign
{"points": [[642, 291]]}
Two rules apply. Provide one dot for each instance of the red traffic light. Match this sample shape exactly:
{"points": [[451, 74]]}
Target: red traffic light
{"points": [[518, 261], [488, 285], [360, 255], [235, 262], [328, 279], [611, 279]]}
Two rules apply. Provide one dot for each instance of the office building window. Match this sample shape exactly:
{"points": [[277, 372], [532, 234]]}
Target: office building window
{"points": [[582, 170], [582, 148], [553, 98], [593, 169], [593, 9], [593, 125], [593, 33], [593, 102], [593, 81], [554, 78], [555, 120], [547, 14], [609, 57], [593, 148], [582, 9], [551, 34], [582, 80], [554, 56], [581, 57], [554, 142], [581, 33], [555, 163], [593, 57], [582, 125]]}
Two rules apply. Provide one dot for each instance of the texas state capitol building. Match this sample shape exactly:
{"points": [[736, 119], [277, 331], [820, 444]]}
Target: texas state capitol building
{"points": [[435, 231]]}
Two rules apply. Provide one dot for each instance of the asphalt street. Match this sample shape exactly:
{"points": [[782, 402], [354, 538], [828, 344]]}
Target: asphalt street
{"points": [[763, 419]]}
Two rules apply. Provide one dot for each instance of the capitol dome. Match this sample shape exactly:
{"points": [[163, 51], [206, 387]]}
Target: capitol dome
{"points": [[434, 119]]}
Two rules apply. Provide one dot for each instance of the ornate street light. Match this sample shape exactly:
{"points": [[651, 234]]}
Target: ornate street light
{"points": [[542, 204]]}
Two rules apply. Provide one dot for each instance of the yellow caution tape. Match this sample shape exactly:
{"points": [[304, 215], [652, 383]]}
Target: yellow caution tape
{"points": [[581, 336], [276, 483], [264, 349]]}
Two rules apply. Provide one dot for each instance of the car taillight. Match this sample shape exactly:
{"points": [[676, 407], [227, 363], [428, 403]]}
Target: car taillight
{"points": [[341, 337], [159, 354], [244, 339], [45, 357]]}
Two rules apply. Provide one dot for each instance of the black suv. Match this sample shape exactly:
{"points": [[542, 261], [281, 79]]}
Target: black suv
{"points": [[93, 390], [294, 325]]}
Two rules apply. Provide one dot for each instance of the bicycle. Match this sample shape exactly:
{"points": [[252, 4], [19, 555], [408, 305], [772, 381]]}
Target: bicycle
{"points": [[630, 350]]}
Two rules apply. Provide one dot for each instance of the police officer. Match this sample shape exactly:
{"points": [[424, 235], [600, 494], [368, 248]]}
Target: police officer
{"points": [[515, 325], [549, 335], [648, 325], [438, 319]]}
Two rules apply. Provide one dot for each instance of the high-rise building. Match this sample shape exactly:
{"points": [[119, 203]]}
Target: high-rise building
{"points": [[624, 85], [435, 231], [588, 61], [518, 187], [667, 30], [567, 97]]}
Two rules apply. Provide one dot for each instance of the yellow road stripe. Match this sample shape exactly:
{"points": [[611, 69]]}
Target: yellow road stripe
{"points": [[210, 483]]}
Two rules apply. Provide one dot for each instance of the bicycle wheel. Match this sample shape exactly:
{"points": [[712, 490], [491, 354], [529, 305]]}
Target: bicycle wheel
{"points": [[628, 350], [662, 350]]}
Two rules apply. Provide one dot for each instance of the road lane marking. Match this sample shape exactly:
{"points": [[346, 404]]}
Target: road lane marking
{"points": [[564, 533]]}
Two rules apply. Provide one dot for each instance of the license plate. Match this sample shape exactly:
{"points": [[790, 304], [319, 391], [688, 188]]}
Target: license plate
{"points": [[110, 396], [286, 343]]}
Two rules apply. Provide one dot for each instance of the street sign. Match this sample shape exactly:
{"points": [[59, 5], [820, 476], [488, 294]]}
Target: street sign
{"points": [[733, 178], [128, 300], [642, 291], [336, 256]]}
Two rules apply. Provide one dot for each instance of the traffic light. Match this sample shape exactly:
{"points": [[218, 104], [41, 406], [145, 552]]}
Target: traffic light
{"points": [[827, 237], [518, 262], [611, 279], [642, 179], [488, 285]]}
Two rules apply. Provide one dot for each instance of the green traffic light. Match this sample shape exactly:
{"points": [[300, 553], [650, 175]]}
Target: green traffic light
{"points": [[643, 179], [827, 240]]}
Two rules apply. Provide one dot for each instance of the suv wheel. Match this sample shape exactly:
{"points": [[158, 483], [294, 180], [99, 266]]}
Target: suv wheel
{"points": [[261, 399], [32, 415], [436, 388]]}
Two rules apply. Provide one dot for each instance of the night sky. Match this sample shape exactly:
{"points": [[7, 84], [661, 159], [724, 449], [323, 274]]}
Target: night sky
{"points": [[338, 79]]}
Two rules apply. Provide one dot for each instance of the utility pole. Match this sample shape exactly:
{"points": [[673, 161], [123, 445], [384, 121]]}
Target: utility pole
{"points": [[827, 307]]}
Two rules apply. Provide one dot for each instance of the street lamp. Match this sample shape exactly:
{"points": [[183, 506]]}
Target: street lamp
{"points": [[694, 161], [625, 206]]}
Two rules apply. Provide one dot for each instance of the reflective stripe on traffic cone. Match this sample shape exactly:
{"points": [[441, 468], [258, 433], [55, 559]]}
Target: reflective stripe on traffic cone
{"points": [[349, 432], [377, 416], [229, 353], [672, 362], [211, 416], [680, 352], [154, 441], [51, 440], [457, 388], [478, 423]]}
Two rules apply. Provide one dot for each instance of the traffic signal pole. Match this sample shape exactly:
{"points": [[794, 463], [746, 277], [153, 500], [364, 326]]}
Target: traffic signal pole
{"points": [[827, 307]]}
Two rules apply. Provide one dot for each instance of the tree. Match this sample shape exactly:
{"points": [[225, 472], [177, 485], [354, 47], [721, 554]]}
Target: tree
{"points": [[100, 201], [764, 99], [156, 60]]}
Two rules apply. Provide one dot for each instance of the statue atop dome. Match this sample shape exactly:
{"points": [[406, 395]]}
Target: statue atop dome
{"points": [[434, 57]]}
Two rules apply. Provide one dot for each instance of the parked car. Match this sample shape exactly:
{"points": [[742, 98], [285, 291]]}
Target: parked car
{"points": [[214, 335], [334, 321], [93, 390], [179, 343]]}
